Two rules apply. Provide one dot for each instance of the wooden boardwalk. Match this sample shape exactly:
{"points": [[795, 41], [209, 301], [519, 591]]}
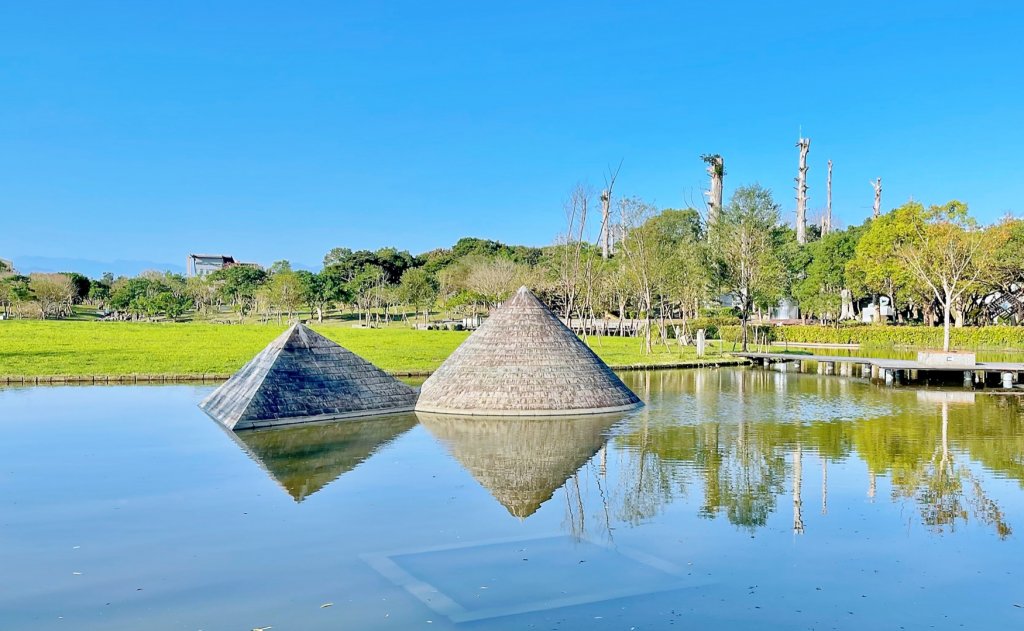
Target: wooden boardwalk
{"points": [[895, 371]]}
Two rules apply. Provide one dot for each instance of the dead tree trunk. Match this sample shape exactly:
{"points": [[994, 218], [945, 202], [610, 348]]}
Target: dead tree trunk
{"points": [[716, 169], [877, 209], [801, 191], [607, 244], [606, 202], [826, 220]]}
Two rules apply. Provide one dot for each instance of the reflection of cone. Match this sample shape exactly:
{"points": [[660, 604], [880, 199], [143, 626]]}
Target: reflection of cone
{"points": [[524, 362], [521, 461], [303, 376], [305, 458]]}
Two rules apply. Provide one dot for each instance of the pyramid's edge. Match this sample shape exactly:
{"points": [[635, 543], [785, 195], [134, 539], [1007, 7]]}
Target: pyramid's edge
{"points": [[295, 420], [560, 413]]}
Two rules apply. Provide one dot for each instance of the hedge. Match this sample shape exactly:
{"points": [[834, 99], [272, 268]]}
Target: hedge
{"points": [[987, 337]]}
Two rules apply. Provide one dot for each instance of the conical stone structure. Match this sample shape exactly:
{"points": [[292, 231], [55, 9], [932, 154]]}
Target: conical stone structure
{"points": [[303, 376], [524, 362], [521, 461]]}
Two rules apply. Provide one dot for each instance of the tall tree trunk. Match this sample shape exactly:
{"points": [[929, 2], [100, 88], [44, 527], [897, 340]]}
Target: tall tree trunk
{"points": [[826, 220], [606, 215], [716, 169], [946, 305], [801, 191], [876, 210]]}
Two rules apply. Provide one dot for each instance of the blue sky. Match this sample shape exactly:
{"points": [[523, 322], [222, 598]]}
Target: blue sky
{"points": [[279, 130]]}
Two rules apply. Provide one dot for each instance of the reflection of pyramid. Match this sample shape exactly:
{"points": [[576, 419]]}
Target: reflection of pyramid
{"points": [[524, 361], [522, 461], [303, 376], [305, 458]]}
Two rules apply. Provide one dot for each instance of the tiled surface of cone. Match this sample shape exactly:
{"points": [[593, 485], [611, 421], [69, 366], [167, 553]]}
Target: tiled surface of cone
{"points": [[303, 376], [524, 362], [521, 461], [305, 458]]}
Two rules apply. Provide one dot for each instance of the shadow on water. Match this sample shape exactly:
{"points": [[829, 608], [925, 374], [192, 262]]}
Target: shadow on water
{"points": [[303, 459]]}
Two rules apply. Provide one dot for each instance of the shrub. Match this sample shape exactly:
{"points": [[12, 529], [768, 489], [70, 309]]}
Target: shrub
{"points": [[987, 337]]}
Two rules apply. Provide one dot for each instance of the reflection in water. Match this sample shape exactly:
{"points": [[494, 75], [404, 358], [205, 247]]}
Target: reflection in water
{"points": [[521, 461], [305, 458], [740, 437]]}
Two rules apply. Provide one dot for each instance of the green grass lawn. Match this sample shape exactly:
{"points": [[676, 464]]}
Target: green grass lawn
{"points": [[34, 348]]}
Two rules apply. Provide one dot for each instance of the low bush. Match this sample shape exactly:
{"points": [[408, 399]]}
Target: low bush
{"points": [[988, 337]]}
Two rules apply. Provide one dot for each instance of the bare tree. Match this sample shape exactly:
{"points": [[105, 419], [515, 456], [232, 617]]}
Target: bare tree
{"points": [[570, 260], [826, 219], [716, 170], [494, 279], [876, 210], [606, 211], [804, 144], [645, 258], [54, 293]]}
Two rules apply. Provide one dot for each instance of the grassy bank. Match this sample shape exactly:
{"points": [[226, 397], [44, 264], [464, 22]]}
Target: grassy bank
{"points": [[33, 348]]}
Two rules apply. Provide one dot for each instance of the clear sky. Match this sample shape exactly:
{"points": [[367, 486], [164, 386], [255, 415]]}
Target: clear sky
{"points": [[270, 130]]}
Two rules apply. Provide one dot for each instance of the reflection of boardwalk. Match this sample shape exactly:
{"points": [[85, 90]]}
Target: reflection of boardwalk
{"points": [[895, 371]]}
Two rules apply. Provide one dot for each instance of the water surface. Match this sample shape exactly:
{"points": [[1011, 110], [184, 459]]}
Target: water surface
{"points": [[739, 498]]}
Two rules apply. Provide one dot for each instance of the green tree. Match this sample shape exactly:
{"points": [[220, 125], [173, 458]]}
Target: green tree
{"points": [[820, 290], [946, 256], [418, 289], [238, 285], [875, 268], [749, 267]]}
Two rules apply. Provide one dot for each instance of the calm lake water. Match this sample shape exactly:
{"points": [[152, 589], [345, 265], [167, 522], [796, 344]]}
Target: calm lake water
{"points": [[739, 498]]}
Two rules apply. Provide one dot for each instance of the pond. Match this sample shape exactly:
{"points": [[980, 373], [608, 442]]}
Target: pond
{"points": [[737, 497]]}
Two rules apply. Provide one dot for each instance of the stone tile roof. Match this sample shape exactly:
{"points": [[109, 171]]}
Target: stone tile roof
{"points": [[524, 361], [303, 376], [305, 458], [521, 461]]}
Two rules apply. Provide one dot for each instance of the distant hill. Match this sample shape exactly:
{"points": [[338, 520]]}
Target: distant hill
{"points": [[91, 268]]}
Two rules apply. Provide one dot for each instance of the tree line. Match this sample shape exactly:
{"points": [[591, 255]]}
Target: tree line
{"points": [[664, 267]]}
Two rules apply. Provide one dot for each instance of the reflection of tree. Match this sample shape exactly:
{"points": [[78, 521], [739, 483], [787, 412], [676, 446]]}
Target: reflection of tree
{"points": [[739, 434], [740, 466], [938, 489]]}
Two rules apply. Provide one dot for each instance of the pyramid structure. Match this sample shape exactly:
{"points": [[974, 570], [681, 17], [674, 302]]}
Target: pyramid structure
{"points": [[302, 376], [305, 458], [523, 361], [521, 461]]}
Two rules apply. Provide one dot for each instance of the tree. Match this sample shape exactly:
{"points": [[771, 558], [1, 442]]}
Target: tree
{"points": [[284, 293], [946, 256], [81, 284], [646, 254], [54, 293], [238, 285], [874, 267], [313, 291], [570, 248], [494, 280], [820, 291], [417, 289], [14, 289], [749, 267], [99, 292]]}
